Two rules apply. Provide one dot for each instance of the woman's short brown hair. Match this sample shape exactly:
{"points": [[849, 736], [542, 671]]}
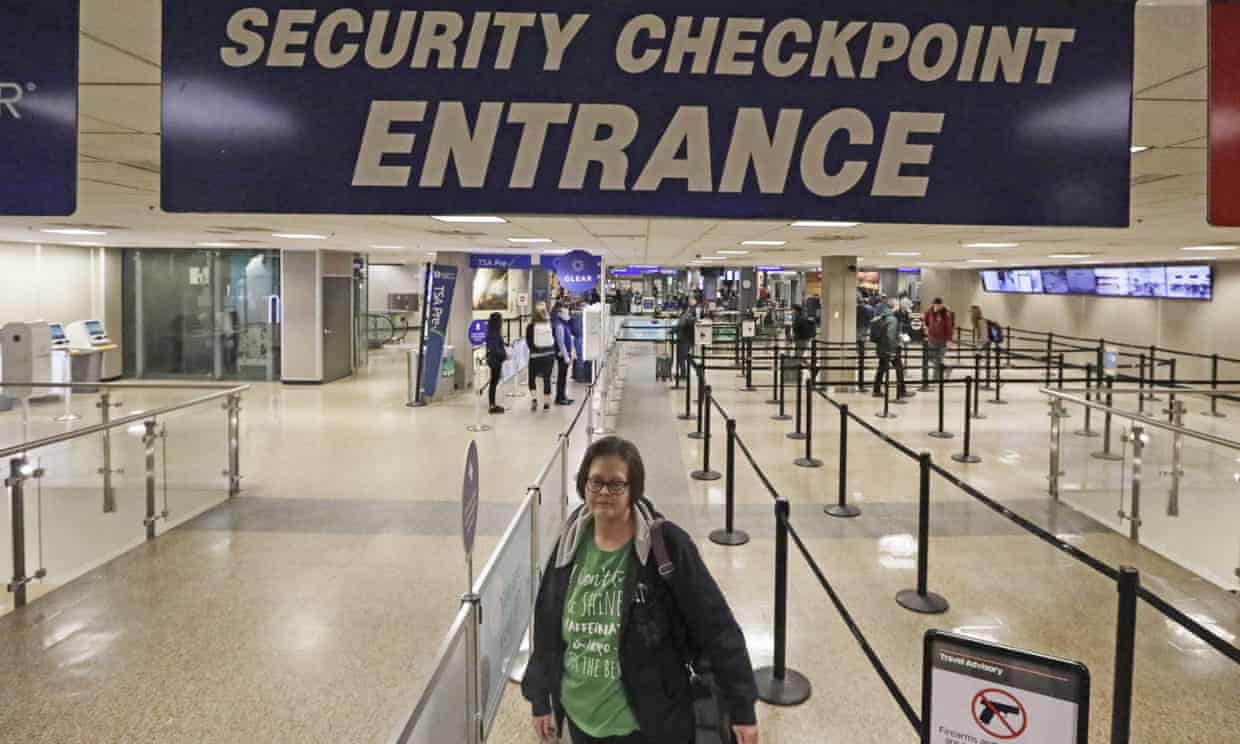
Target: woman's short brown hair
{"points": [[615, 447]]}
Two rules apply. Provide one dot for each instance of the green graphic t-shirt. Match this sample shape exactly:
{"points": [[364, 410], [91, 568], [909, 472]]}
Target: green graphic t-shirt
{"points": [[591, 692]]}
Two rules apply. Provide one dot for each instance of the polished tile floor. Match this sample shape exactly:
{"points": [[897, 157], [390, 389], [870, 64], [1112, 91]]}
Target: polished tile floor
{"points": [[309, 609]]}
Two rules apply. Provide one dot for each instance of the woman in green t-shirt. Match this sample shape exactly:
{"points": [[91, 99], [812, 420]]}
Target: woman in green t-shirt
{"points": [[613, 635]]}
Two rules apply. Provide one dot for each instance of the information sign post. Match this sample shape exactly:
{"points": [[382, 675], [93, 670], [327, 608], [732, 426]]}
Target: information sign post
{"points": [[974, 691]]}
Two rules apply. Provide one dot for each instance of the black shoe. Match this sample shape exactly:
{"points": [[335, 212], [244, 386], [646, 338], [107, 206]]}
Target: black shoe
{"points": [[908, 394], [497, 409], [876, 395], [533, 405], [565, 402], [546, 406]]}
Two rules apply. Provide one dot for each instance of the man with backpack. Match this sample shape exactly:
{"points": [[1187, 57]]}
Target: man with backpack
{"points": [[888, 338]]}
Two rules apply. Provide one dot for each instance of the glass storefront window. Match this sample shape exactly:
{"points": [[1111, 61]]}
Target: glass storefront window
{"points": [[202, 314]]}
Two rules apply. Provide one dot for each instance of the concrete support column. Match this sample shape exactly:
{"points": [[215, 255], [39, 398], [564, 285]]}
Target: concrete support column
{"points": [[748, 290], [839, 298]]}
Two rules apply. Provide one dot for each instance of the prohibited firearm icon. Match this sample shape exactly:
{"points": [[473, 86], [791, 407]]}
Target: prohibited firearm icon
{"points": [[999, 714]]}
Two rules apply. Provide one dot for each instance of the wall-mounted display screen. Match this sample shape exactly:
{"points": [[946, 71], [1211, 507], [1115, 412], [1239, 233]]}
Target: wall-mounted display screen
{"points": [[1188, 282], [1024, 281]]}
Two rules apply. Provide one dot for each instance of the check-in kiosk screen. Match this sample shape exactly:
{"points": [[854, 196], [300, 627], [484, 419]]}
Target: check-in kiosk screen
{"points": [[58, 333], [94, 328]]}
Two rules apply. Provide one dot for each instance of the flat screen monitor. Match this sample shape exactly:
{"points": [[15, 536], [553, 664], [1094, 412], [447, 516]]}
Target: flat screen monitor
{"points": [[1147, 281], [58, 332], [1111, 282], [94, 328], [1023, 281], [1190, 282], [990, 281]]}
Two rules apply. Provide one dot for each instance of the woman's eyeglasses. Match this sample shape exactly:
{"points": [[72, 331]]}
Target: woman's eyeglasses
{"points": [[598, 485]]}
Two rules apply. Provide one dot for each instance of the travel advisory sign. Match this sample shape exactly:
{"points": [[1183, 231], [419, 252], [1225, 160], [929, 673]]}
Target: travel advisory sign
{"points": [[38, 107], [942, 111], [982, 693]]}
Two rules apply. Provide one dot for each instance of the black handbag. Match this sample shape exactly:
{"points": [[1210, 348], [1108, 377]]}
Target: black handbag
{"points": [[712, 724]]}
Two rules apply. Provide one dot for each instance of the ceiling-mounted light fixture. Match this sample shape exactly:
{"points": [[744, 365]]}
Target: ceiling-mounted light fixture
{"points": [[216, 244], [823, 223], [529, 240], [1209, 248], [1137, 148], [991, 245], [904, 253], [72, 231], [764, 242], [299, 236], [469, 218]]}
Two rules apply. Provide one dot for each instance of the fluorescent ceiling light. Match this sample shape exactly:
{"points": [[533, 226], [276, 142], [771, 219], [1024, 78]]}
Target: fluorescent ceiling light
{"points": [[991, 245], [734, 253], [299, 236], [73, 231], [823, 223], [1068, 255], [714, 258], [468, 218], [84, 243], [529, 240], [981, 260], [1137, 148], [215, 244], [904, 253], [554, 251], [1209, 248], [764, 242], [390, 247]]}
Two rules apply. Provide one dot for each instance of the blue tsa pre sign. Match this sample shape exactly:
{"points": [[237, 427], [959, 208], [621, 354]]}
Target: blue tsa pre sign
{"points": [[38, 107], [967, 112]]}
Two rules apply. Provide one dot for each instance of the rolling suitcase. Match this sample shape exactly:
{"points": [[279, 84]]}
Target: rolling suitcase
{"points": [[663, 367]]}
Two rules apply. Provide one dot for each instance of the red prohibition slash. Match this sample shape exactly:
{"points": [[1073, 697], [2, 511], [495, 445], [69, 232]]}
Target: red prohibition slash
{"points": [[995, 702]]}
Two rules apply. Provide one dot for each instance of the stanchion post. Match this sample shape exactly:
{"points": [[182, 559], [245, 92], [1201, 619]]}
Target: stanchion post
{"points": [[860, 366], [1171, 384], [809, 461], [776, 375], [886, 412], [842, 508], [1106, 453], [925, 368], [1125, 654], [705, 474], [1050, 352], [781, 364], [977, 400], [749, 388], [967, 457], [941, 433], [1153, 377], [998, 401], [729, 535], [1214, 388], [17, 510], [777, 684], [1007, 339], [985, 369], [798, 433], [688, 414], [1089, 386], [921, 599]]}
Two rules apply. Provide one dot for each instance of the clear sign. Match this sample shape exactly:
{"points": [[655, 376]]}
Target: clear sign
{"points": [[749, 328], [1110, 361], [38, 107], [469, 499], [986, 693], [866, 110]]}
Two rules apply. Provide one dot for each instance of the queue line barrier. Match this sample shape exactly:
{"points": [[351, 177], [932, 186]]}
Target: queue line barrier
{"points": [[781, 685]]}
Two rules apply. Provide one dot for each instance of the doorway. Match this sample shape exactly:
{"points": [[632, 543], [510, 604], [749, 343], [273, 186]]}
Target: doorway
{"points": [[337, 327]]}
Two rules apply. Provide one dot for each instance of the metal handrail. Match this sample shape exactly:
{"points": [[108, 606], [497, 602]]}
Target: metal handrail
{"points": [[124, 421], [1134, 416]]}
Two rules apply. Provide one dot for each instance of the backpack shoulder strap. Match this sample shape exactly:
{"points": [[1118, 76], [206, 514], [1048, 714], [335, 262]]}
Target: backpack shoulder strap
{"points": [[659, 545]]}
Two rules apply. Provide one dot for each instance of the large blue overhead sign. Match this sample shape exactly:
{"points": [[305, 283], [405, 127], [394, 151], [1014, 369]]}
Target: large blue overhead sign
{"points": [[38, 107], [969, 111]]}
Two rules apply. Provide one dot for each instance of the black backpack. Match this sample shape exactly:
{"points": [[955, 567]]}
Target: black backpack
{"points": [[712, 722], [877, 330]]}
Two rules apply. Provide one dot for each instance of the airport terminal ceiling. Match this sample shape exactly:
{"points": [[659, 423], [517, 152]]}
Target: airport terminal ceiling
{"points": [[119, 183]]}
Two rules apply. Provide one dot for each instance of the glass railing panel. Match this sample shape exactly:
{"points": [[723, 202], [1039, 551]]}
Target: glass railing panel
{"points": [[191, 462], [1091, 479], [440, 714], [506, 590]]}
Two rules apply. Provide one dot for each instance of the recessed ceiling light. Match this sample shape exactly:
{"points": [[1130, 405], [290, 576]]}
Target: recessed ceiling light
{"points": [[823, 223], [981, 260], [1209, 248], [468, 218], [73, 231], [554, 251], [904, 253], [1137, 148], [991, 245], [714, 258], [734, 253], [389, 247], [299, 236], [215, 244], [529, 240], [84, 243], [764, 242], [1068, 255]]}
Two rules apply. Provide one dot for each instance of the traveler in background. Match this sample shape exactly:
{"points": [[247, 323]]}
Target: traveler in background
{"points": [[803, 329], [886, 335], [906, 303], [979, 326], [624, 597], [497, 354], [940, 330], [562, 326], [540, 337], [686, 328]]}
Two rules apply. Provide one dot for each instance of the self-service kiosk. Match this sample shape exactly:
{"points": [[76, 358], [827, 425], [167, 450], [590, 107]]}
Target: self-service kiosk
{"points": [[88, 343], [25, 356]]}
